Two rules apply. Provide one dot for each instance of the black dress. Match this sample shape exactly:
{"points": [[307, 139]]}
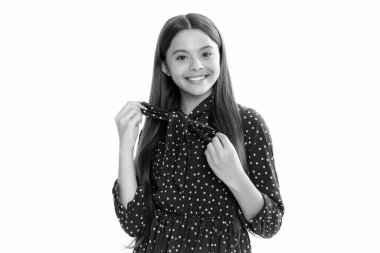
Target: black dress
{"points": [[195, 211]]}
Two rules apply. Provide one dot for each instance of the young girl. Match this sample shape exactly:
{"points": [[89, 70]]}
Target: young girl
{"points": [[204, 172]]}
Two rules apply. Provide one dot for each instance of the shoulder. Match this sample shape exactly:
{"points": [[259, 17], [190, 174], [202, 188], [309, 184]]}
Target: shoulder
{"points": [[253, 123], [250, 117]]}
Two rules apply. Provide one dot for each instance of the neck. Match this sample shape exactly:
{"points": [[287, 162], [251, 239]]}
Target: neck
{"points": [[189, 102]]}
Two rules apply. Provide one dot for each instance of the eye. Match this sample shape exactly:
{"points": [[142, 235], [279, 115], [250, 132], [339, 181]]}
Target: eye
{"points": [[180, 58], [206, 54]]}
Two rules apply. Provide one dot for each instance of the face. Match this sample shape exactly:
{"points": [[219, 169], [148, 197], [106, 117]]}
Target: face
{"points": [[192, 60]]}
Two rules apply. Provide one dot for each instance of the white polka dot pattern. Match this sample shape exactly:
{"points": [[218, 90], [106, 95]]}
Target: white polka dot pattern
{"points": [[179, 125], [197, 212]]}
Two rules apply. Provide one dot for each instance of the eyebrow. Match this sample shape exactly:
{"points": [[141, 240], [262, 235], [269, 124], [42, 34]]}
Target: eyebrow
{"points": [[185, 51]]}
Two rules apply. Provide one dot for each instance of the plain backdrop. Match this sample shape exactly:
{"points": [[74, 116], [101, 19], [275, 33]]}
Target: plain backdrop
{"points": [[311, 68]]}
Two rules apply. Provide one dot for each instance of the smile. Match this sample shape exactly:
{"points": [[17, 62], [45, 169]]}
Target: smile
{"points": [[196, 79]]}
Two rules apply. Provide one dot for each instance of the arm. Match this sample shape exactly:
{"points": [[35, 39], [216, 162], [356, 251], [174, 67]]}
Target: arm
{"points": [[128, 197], [247, 195], [265, 221], [127, 176]]}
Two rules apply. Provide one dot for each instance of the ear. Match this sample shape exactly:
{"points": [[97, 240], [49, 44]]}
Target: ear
{"points": [[165, 69]]}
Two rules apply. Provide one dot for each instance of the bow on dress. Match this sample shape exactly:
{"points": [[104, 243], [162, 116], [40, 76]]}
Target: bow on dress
{"points": [[176, 141]]}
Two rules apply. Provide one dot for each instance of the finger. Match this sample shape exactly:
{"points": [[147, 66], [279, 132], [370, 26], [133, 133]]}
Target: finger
{"points": [[137, 105], [128, 106], [127, 109], [207, 154], [223, 139], [135, 120], [142, 106], [126, 116], [130, 115], [217, 144], [211, 149]]}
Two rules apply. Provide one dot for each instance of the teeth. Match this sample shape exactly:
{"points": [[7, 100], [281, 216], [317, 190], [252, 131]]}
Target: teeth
{"points": [[196, 79]]}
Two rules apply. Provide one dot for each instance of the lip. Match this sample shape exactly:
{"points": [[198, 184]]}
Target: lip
{"points": [[196, 81], [205, 75]]}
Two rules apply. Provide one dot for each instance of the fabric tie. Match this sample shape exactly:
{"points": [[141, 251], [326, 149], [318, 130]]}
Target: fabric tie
{"points": [[178, 126]]}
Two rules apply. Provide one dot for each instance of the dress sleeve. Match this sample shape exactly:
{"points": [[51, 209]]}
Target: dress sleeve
{"points": [[132, 217], [262, 172]]}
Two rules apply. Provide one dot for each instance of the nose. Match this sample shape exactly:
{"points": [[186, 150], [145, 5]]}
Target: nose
{"points": [[196, 64]]}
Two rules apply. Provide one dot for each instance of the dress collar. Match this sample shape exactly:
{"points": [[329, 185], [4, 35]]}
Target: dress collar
{"points": [[204, 106]]}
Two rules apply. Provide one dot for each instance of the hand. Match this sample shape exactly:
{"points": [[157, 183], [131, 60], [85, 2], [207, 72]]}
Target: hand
{"points": [[128, 121], [223, 159]]}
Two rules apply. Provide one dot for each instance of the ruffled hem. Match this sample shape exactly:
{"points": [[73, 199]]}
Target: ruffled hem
{"points": [[195, 234]]}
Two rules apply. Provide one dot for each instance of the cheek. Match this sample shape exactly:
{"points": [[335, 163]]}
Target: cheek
{"points": [[217, 63], [177, 70], [214, 64], [216, 68]]}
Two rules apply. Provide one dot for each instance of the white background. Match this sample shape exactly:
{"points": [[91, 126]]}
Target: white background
{"points": [[311, 68]]}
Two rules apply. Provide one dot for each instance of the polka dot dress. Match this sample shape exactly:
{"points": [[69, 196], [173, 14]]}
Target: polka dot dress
{"points": [[195, 211]]}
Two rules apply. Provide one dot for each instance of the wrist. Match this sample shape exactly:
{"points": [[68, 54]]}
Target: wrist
{"points": [[238, 180], [126, 150]]}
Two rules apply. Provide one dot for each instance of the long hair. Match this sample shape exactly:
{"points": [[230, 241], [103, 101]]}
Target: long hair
{"points": [[224, 114]]}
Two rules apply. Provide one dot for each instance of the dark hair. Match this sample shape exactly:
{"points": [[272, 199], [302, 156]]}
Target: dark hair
{"points": [[224, 114]]}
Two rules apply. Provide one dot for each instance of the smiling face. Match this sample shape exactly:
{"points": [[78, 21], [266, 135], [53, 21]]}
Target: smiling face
{"points": [[192, 60]]}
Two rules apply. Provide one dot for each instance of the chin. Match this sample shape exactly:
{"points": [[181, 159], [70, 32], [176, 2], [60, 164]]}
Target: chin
{"points": [[202, 92]]}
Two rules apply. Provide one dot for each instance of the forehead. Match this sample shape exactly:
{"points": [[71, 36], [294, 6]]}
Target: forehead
{"points": [[191, 39]]}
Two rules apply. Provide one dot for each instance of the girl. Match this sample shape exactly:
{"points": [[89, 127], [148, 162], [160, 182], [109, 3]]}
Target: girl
{"points": [[204, 172]]}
